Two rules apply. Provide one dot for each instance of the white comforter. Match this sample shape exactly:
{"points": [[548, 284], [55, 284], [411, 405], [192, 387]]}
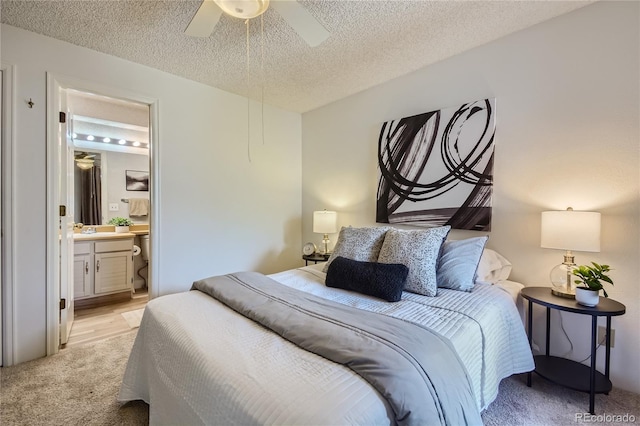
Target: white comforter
{"points": [[197, 362]]}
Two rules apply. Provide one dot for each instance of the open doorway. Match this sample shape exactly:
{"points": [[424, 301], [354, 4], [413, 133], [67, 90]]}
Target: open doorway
{"points": [[111, 166], [101, 143]]}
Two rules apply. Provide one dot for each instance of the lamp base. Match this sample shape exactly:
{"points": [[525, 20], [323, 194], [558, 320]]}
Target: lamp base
{"points": [[563, 293], [561, 278]]}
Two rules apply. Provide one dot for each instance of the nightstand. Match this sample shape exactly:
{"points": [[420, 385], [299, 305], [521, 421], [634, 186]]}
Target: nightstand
{"points": [[315, 258], [565, 372]]}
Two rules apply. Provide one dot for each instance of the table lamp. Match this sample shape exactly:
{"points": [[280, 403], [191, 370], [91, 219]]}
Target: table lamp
{"points": [[569, 230], [325, 222]]}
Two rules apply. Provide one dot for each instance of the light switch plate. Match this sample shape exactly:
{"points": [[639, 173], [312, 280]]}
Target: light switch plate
{"points": [[114, 207]]}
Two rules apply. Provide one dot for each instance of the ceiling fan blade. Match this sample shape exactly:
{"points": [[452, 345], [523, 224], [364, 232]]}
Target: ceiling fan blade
{"points": [[302, 21], [205, 20]]}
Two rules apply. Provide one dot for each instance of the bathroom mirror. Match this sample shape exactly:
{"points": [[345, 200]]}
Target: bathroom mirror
{"points": [[90, 187], [113, 132]]}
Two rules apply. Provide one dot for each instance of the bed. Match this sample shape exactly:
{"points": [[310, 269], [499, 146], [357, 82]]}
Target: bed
{"points": [[196, 360]]}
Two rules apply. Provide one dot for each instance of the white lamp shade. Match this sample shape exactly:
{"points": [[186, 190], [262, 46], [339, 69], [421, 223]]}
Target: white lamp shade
{"points": [[570, 230], [325, 222]]}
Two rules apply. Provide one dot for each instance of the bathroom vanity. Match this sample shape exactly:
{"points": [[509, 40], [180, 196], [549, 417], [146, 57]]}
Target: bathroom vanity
{"points": [[103, 265]]}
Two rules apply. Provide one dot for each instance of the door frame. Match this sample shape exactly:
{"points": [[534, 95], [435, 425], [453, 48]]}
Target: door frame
{"points": [[7, 285], [56, 83]]}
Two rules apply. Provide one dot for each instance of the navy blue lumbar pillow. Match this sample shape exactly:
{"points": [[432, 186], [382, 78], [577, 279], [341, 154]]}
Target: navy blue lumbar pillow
{"points": [[382, 280]]}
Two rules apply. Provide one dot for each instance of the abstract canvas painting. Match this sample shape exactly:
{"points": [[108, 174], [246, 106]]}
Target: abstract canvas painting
{"points": [[436, 168], [136, 180]]}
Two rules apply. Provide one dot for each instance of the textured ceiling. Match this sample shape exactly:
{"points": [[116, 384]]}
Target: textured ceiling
{"points": [[371, 41]]}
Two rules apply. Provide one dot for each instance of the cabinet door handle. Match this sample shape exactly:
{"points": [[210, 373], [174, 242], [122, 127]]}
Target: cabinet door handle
{"points": [[86, 268], [98, 266]]}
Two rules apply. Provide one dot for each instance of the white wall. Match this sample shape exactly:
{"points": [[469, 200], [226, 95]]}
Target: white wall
{"points": [[117, 165], [567, 135], [219, 212]]}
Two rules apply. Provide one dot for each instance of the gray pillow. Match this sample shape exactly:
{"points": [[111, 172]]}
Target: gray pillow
{"points": [[458, 263], [362, 244], [419, 251]]}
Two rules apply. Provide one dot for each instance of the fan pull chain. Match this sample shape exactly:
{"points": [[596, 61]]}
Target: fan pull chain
{"points": [[262, 73], [248, 98]]}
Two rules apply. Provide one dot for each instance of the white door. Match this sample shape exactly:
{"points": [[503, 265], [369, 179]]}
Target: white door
{"points": [[66, 220], [2, 124]]}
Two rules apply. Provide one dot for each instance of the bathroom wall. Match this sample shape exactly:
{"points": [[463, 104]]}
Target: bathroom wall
{"points": [[117, 164]]}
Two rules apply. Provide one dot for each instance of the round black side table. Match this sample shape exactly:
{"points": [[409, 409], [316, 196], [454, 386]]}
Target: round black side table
{"points": [[315, 258], [565, 372]]}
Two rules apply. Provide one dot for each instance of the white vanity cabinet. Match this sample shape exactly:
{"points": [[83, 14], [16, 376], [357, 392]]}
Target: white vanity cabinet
{"points": [[102, 267], [82, 269]]}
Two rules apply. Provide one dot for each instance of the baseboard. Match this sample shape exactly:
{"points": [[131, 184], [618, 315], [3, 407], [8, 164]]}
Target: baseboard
{"points": [[93, 302]]}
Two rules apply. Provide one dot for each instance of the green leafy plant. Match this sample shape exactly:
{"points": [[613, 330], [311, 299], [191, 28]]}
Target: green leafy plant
{"points": [[591, 277], [120, 221]]}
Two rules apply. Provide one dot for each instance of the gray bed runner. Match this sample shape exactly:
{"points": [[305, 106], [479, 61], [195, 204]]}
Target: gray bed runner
{"points": [[414, 369]]}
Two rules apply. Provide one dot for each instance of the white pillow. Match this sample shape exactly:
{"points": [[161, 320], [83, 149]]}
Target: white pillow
{"points": [[419, 251], [493, 267], [361, 244], [458, 263]]}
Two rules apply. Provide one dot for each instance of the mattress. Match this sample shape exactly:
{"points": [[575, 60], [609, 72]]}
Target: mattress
{"points": [[197, 362]]}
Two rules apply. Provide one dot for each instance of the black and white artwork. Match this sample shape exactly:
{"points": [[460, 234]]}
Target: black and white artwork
{"points": [[136, 180], [436, 168]]}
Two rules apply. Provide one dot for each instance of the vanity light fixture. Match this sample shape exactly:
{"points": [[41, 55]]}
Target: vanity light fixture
{"points": [[325, 222], [569, 230], [97, 140]]}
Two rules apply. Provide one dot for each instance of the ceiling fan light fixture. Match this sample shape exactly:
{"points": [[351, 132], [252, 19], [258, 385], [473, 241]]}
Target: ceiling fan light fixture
{"points": [[243, 9], [84, 163]]}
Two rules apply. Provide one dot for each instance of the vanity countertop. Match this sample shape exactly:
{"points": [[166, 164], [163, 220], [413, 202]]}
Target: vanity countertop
{"points": [[103, 236]]}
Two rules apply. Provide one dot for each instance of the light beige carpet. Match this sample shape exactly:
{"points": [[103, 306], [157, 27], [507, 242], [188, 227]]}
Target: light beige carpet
{"points": [[545, 403], [133, 318], [79, 387]]}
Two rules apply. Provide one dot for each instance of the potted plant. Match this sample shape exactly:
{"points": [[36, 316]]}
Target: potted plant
{"points": [[121, 223], [590, 283]]}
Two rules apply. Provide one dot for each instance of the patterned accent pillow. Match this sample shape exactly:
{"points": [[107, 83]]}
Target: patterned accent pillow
{"points": [[419, 251], [361, 244]]}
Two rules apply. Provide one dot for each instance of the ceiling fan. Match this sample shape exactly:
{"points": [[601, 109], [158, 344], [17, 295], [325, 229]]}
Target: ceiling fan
{"points": [[84, 160], [299, 18]]}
